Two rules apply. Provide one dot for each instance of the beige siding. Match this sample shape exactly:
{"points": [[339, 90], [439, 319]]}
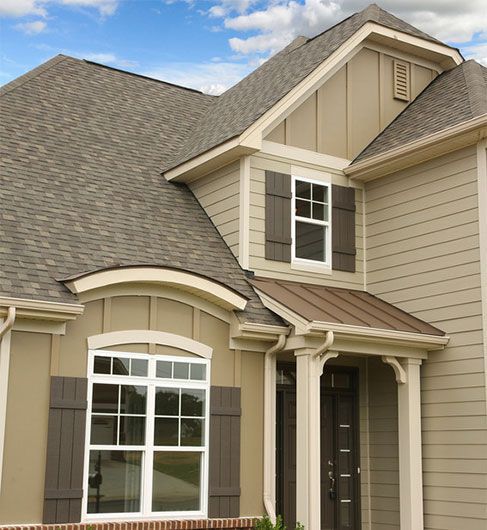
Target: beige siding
{"points": [[218, 193], [423, 256], [24, 458], [36, 356], [276, 269], [352, 107]]}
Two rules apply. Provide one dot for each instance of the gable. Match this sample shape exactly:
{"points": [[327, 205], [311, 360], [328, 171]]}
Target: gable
{"points": [[350, 109]]}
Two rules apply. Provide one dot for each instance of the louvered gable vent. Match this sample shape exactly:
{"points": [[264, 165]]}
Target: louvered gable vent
{"points": [[401, 81]]}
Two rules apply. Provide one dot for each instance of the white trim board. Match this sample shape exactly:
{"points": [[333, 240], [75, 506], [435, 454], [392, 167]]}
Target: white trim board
{"points": [[143, 336]]}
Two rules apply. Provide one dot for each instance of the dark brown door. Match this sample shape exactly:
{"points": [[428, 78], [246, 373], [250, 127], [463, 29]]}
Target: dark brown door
{"points": [[340, 508]]}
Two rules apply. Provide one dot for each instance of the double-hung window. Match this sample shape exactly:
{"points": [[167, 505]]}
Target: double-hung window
{"points": [[147, 435], [311, 222]]}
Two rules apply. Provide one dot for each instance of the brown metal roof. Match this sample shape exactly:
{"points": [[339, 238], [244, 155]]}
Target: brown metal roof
{"points": [[341, 306]]}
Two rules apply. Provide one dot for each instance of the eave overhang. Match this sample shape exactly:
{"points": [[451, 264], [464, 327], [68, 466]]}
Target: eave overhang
{"points": [[250, 140], [462, 135]]}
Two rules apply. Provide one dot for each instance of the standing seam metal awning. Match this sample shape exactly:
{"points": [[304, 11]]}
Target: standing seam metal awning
{"points": [[318, 303]]}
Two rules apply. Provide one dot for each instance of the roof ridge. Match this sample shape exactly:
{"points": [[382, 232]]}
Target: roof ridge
{"points": [[476, 87], [31, 74], [135, 74]]}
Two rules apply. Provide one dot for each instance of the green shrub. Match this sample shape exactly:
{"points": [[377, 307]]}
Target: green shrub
{"points": [[266, 524]]}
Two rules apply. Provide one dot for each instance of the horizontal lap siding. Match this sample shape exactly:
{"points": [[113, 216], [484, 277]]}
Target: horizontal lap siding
{"points": [[423, 256], [219, 194], [264, 267]]}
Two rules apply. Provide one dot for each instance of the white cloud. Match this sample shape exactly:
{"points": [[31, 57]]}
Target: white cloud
{"points": [[477, 52], [105, 7], [211, 78], [105, 58], [32, 28], [274, 25], [21, 8]]}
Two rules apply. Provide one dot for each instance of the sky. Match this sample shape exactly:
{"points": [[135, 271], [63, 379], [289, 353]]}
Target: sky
{"points": [[204, 44]]}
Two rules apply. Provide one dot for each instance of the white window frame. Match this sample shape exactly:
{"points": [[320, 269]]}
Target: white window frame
{"points": [[151, 381], [309, 263]]}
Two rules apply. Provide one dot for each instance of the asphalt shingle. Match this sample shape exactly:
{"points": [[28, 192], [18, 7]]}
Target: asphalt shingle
{"points": [[240, 106], [454, 97], [81, 147]]}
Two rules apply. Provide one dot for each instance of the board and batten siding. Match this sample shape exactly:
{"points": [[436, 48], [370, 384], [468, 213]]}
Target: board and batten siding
{"points": [[423, 255], [354, 105], [219, 194], [281, 270]]}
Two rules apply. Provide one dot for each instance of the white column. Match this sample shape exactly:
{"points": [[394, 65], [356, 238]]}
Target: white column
{"points": [[410, 465], [308, 504]]}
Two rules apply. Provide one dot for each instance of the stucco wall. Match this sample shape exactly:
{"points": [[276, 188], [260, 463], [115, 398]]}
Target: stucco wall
{"points": [[422, 228]]}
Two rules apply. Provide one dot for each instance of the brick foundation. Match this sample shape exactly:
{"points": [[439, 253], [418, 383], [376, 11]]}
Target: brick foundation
{"points": [[190, 524]]}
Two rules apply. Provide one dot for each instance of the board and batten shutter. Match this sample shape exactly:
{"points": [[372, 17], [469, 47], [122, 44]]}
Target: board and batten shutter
{"points": [[224, 458], [277, 216], [63, 491], [343, 228]]}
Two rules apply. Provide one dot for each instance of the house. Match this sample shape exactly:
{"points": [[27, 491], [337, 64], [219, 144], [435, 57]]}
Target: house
{"points": [[271, 301]]}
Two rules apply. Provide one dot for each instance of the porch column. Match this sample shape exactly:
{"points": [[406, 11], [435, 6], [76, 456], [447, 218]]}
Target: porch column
{"points": [[410, 465], [308, 504]]}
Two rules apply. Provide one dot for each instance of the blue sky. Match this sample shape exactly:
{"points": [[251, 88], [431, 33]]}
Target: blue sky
{"points": [[205, 44]]}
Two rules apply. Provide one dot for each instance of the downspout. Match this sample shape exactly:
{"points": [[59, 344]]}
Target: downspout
{"points": [[4, 369], [270, 426], [322, 351]]}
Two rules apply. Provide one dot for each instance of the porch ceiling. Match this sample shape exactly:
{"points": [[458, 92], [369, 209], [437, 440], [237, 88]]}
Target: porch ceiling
{"points": [[348, 307]]}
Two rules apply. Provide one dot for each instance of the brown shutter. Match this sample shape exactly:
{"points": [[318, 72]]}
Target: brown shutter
{"points": [[224, 486], [343, 228], [65, 450], [277, 216]]}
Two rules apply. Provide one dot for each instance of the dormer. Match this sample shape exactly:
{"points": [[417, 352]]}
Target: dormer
{"points": [[267, 161]]}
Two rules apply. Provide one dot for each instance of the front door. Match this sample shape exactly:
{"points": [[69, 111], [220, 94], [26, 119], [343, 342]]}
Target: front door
{"points": [[340, 508]]}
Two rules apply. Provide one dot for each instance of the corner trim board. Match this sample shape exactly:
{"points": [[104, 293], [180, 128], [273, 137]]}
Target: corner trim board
{"points": [[134, 336]]}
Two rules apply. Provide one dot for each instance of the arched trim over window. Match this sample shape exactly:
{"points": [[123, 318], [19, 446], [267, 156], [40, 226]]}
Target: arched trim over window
{"points": [[136, 336], [202, 286]]}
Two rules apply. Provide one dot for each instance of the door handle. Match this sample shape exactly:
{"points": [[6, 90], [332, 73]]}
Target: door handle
{"points": [[332, 490]]}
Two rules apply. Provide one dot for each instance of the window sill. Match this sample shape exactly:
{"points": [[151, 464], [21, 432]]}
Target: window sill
{"points": [[319, 268]]}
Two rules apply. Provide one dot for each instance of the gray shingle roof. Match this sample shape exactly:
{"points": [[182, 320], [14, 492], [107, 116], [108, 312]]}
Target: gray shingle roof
{"points": [[81, 148], [454, 97], [240, 106]]}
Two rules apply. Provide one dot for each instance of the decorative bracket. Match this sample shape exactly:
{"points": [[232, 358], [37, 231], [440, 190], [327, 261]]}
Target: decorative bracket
{"points": [[401, 377], [325, 358]]}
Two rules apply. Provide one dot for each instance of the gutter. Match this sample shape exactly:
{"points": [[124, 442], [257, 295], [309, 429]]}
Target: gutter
{"points": [[270, 426], [5, 329], [421, 149]]}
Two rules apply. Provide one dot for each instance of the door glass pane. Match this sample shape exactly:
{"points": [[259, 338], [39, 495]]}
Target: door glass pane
{"points": [[310, 241], [121, 366], [114, 481], [167, 401], [176, 481], [191, 432], [105, 398], [132, 399], [166, 431], [132, 430], [104, 430], [192, 402]]}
